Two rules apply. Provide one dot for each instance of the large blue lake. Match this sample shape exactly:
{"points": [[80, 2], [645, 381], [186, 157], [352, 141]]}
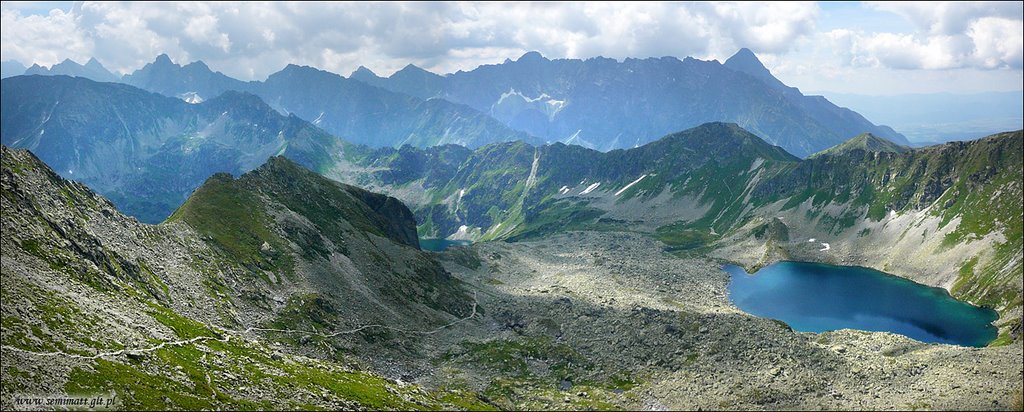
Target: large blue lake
{"points": [[813, 297], [437, 245]]}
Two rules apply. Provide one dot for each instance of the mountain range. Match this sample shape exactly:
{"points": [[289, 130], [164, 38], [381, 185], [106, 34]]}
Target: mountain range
{"points": [[606, 104], [191, 241], [281, 281], [145, 151], [598, 103], [345, 108], [704, 184], [714, 187], [92, 70]]}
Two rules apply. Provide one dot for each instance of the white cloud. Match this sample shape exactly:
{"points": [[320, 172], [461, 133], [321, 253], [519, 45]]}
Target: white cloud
{"points": [[45, 39], [386, 36], [253, 40], [997, 42], [947, 35]]}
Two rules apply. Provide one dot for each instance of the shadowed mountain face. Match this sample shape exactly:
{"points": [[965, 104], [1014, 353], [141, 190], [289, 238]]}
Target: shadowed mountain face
{"points": [[278, 230], [240, 254], [354, 110], [145, 151], [605, 104]]}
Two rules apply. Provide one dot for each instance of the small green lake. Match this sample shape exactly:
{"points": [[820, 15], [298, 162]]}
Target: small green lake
{"points": [[437, 245], [813, 297]]}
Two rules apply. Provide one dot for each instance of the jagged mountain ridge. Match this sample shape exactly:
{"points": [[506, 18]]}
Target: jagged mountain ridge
{"points": [[599, 103], [82, 279], [91, 70], [192, 80], [353, 110], [606, 104], [504, 183]]}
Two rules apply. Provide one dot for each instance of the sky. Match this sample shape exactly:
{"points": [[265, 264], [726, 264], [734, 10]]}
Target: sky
{"points": [[873, 48]]}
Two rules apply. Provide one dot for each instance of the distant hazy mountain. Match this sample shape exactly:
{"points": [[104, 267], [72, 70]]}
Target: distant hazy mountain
{"points": [[605, 104], [350, 109], [941, 117], [368, 115], [91, 70], [11, 68], [144, 151], [194, 81], [411, 80]]}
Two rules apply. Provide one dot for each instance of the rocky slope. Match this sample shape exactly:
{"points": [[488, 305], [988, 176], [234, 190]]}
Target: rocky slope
{"points": [[607, 319], [947, 215], [223, 306]]}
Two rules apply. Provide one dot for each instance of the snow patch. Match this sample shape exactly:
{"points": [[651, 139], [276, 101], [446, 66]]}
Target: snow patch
{"points": [[319, 119], [191, 97], [532, 179], [590, 188], [573, 138], [811, 240], [630, 185], [825, 246], [757, 163], [563, 190]]}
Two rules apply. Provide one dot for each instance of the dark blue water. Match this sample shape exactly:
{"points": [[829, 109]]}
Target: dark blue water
{"points": [[437, 245], [813, 297]]}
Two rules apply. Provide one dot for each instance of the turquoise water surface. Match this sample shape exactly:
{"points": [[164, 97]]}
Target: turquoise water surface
{"points": [[814, 297], [437, 245]]}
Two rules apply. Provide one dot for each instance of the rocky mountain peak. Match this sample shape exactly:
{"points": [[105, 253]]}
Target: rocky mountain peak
{"points": [[745, 61], [867, 142], [163, 60], [531, 56], [363, 72]]}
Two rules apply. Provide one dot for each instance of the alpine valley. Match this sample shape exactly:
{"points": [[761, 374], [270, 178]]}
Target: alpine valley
{"points": [[175, 238]]}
